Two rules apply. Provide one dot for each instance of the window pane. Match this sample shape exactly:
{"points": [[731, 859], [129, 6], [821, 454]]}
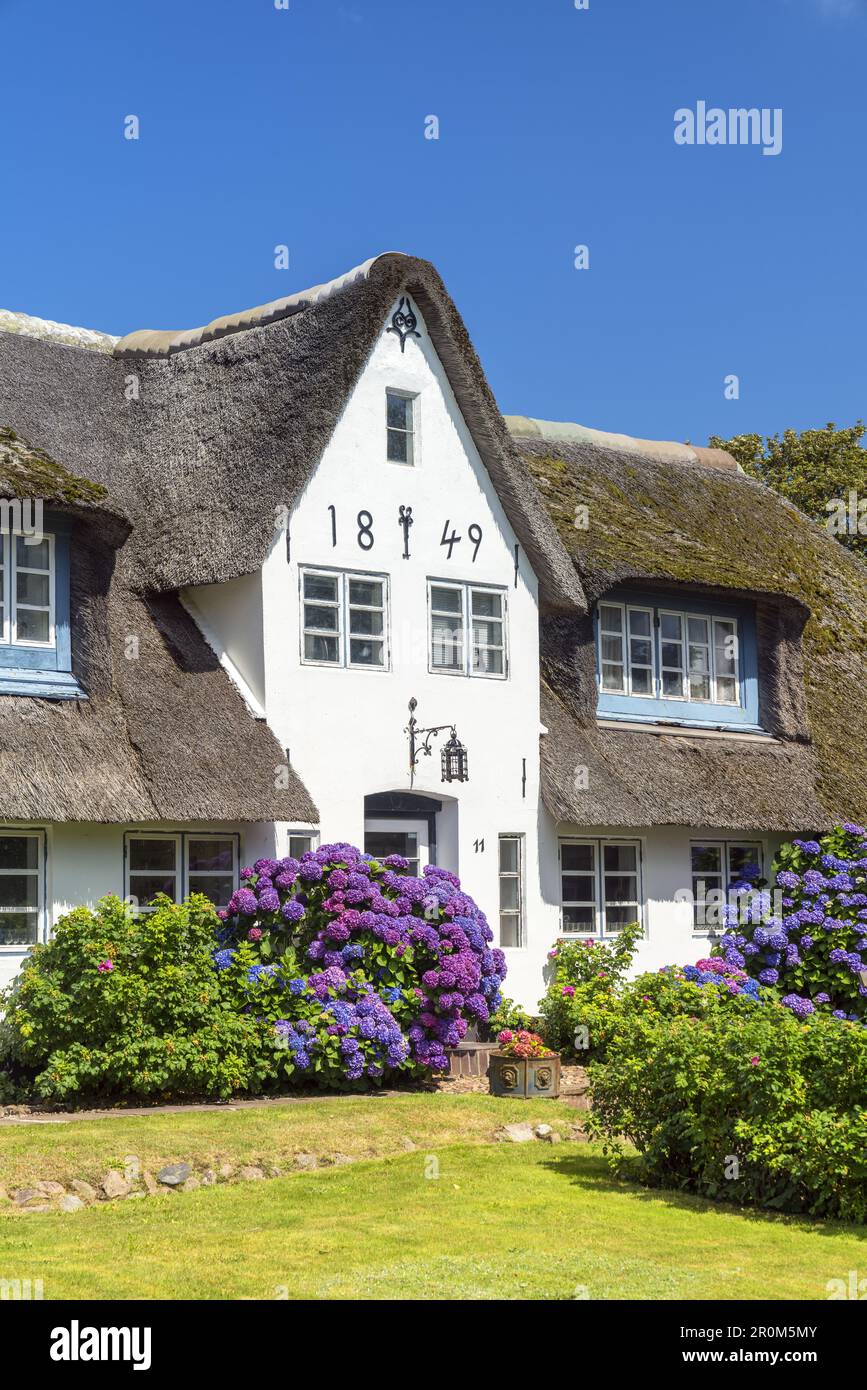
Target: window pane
{"points": [[612, 677], [672, 655], [320, 586], [31, 625], [620, 858], [610, 618], [510, 929], [320, 648], [398, 411], [32, 557], [447, 639], [672, 684], [706, 859], [671, 626], [640, 651], [639, 623], [18, 928], [621, 888], [579, 919], [318, 616], [509, 894], [398, 447], [299, 844], [19, 890], [363, 653], [697, 630], [219, 888], [508, 855], [617, 917], [365, 622], [145, 887], [445, 600], [725, 648], [642, 681], [612, 649], [487, 605], [32, 588], [214, 855], [727, 690], [578, 889], [367, 592], [152, 855], [577, 858], [19, 852], [487, 632], [699, 687], [743, 857], [488, 660]]}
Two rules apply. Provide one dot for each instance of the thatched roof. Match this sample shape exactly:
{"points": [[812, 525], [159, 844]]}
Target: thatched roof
{"points": [[163, 733], [671, 515], [200, 436]]}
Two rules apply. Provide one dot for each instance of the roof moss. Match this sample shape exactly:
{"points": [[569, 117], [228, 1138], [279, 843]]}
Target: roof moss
{"points": [[29, 472], [656, 521]]}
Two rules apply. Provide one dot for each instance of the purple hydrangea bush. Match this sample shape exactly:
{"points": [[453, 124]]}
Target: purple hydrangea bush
{"points": [[807, 941], [361, 968]]}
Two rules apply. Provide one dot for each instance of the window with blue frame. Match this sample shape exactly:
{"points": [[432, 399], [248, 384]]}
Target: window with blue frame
{"points": [[35, 644], [669, 658]]}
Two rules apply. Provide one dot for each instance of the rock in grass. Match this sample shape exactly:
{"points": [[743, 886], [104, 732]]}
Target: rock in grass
{"points": [[24, 1195], [552, 1138], [209, 1177], [51, 1189], [113, 1185], [84, 1190], [191, 1185], [250, 1173], [542, 1131], [226, 1170], [516, 1134], [70, 1203], [174, 1174], [306, 1161]]}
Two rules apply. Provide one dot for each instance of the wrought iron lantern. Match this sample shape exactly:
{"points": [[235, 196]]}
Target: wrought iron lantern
{"points": [[455, 761], [454, 757]]}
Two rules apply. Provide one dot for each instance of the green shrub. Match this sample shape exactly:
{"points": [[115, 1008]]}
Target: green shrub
{"points": [[120, 1005], [582, 1003], [512, 1017], [740, 1103]]}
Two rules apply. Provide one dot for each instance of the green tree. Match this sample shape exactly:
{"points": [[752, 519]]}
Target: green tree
{"points": [[824, 472]]}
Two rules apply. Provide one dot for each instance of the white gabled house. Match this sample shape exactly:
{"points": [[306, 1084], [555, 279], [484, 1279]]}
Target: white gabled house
{"points": [[265, 538]]}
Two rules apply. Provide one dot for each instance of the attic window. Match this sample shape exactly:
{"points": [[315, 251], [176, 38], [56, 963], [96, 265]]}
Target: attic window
{"points": [[35, 642], [400, 413], [675, 659]]}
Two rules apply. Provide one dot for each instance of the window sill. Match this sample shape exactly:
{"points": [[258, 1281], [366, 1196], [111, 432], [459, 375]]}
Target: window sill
{"points": [[654, 725], [44, 685]]}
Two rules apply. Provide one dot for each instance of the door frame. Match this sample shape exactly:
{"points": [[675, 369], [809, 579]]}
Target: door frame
{"points": [[398, 806]]}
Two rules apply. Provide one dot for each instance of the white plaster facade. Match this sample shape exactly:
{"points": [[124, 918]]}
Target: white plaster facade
{"points": [[344, 728]]}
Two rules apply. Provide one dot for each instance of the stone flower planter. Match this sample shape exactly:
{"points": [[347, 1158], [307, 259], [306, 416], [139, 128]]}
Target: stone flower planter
{"points": [[527, 1078]]}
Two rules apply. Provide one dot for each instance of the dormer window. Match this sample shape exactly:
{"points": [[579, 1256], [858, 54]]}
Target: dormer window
{"points": [[35, 645], [663, 658], [27, 577], [400, 413]]}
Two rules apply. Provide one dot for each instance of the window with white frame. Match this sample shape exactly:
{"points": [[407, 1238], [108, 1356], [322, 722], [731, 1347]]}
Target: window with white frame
{"points": [[26, 590], [400, 423], [467, 629], [660, 653], [511, 873], [600, 886], [301, 842], [344, 619], [715, 866], [180, 864], [21, 896]]}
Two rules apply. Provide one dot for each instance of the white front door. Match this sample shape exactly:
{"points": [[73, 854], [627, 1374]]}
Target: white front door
{"points": [[398, 836]]}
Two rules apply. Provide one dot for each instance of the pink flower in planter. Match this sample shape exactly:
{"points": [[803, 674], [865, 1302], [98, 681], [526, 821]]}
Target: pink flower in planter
{"points": [[105, 966]]}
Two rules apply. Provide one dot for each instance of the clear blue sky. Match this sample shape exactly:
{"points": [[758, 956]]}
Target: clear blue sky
{"points": [[306, 127]]}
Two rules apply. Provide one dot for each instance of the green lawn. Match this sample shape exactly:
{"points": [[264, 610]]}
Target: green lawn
{"points": [[453, 1219]]}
